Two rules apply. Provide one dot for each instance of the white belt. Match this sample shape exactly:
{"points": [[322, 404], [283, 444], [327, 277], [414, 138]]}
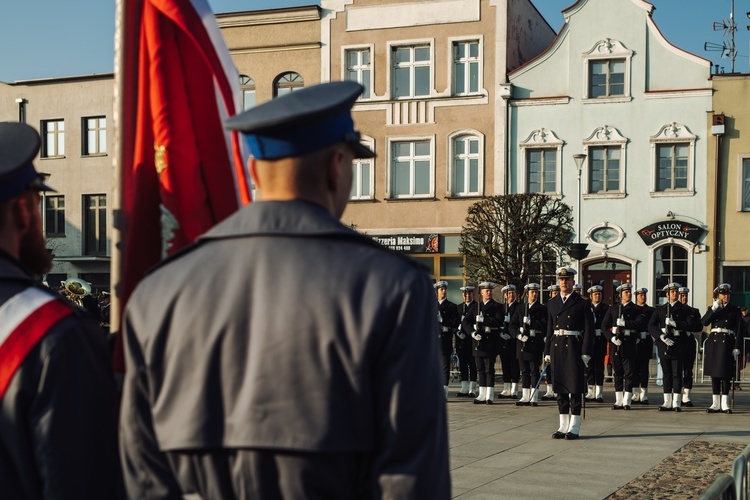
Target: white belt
{"points": [[644, 335], [722, 330], [532, 333], [567, 333], [598, 332], [446, 329], [627, 333], [488, 329]]}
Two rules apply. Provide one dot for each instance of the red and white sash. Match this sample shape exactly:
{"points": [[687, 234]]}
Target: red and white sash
{"points": [[24, 319]]}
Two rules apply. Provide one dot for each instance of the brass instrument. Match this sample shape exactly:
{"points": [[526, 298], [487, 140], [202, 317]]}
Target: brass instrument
{"points": [[76, 289]]}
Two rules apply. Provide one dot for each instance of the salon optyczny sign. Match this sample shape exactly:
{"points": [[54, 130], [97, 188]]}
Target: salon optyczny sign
{"points": [[659, 231]]}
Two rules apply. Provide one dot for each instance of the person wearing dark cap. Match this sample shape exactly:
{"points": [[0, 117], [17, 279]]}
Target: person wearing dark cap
{"points": [[644, 351], [622, 326], [529, 326], [570, 341], [448, 321], [466, 365], [595, 370], [723, 346], [485, 332], [690, 351], [666, 325], [549, 394], [508, 344], [58, 431], [256, 400]]}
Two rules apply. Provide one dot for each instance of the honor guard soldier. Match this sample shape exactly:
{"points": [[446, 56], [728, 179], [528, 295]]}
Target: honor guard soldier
{"points": [[448, 321], [254, 401], [58, 400], [723, 346], [468, 369], [529, 326], [508, 359], [691, 350], [486, 335], [667, 324], [595, 370], [570, 341], [554, 291], [644, 350], [577, 288], [622, 326]]}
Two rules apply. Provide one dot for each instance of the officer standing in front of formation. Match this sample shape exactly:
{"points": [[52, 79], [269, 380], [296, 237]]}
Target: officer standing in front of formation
{"points": [[691, 349], [554, 291], [529, 326], [723, 346], [486, 334], [595, 370], [570, 341], [468, 369], [58, 401], [666, 325], [644, 350], [508, 359], [448, 321], [254, 401], [622, 326]]}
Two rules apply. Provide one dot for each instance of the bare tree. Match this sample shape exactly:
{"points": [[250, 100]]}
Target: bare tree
{"points": [[513, 237]]}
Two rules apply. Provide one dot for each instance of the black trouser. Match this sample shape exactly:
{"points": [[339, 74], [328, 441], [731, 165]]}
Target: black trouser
{"points": [[529, 372], [623, 372], [720, 385], [485, 371], [688, 362], [569, 403], [466, 366], [446, 367], [672, 371], [595, 370], [641, 371], [509, 362]]}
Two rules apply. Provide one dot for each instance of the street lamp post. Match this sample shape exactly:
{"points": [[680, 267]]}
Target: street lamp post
{"points": [[578, 250]]}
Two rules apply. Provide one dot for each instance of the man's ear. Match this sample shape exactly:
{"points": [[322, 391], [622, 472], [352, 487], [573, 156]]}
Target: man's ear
{"points": [[335, 163], [252, 167], [21, 208]]}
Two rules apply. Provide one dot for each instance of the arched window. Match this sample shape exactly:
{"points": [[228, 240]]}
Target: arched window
{"points": [[466, 168], [670, 266], [248, 92], [286, 83]]}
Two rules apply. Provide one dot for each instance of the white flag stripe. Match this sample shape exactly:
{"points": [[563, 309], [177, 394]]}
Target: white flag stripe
{"points": [[20, 307]]}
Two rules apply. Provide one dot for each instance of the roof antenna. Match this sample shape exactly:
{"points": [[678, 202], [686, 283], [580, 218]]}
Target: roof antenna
{"points": [[727, 48]]}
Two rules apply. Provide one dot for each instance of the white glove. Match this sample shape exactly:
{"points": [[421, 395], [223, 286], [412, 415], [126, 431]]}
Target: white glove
{"points": [[519, 337], [717, 305], [585, 358], [526, 320], [524, 338], [666, 340], [461, 335], [670, 322], [479, 318], [476, 336], [620, 321], [507, 318], [616, 341], [505, 336], [547, 359], [614, 330], [735, 353]]}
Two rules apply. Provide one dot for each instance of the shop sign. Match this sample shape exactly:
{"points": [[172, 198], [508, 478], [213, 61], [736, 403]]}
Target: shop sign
{"points": [[410, 243], [664, 230]]}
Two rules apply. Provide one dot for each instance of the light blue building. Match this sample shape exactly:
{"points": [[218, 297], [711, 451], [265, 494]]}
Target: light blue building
{"points": [[611, 87]]}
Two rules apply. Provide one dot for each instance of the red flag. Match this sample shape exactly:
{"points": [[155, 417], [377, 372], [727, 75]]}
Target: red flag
{"points": [[180, 171]]}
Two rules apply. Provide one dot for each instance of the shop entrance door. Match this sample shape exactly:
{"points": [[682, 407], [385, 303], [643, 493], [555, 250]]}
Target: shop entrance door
{"points": [[609, 274]]}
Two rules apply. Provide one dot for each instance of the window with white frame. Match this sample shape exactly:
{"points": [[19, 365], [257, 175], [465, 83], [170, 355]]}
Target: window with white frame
{"points": [[94, 135], [466, 67], [95, 224], [607, 71], [287, 83], [247, 86], [54, 216], [53, 140], [411, 173], [745, 185], [466, 165], [604, 175], [671, 265], [359, 69], [604, 169], [540, 166], [411, 71], [363, 175], [673, 161]]}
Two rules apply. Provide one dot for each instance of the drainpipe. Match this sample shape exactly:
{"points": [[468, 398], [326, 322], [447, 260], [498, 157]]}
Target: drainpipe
{"points": [[21, 109], [717, 130]]}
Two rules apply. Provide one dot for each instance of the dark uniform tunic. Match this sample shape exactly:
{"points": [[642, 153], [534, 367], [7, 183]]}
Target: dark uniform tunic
{"points": [[485, 350], [624, 355], [230, 393], [644, 351], [671, 358], [58, 417], [463, 345], [449, 320], [565, 350], [595, 371], [529, 353], [718, 360]]}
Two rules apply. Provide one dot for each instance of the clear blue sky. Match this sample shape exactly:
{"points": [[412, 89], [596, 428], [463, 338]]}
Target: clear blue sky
{"points": [[54, 38]]}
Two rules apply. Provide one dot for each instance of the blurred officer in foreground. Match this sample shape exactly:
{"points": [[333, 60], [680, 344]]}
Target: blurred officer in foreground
{"points": [[58, 403], [722, 347], [570, 341], [257, 400]]}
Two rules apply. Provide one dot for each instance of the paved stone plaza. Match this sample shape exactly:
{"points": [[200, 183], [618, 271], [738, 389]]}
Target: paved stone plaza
{"points": [[505, 451]]}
